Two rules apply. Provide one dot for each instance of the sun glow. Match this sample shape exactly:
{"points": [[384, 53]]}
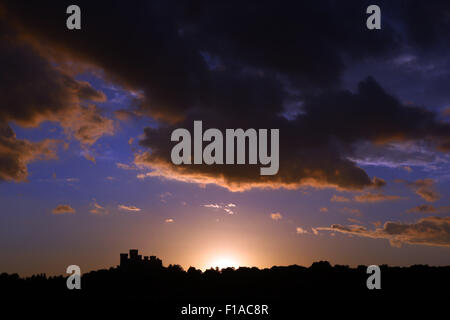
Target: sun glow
{"points": [[223, 263]]}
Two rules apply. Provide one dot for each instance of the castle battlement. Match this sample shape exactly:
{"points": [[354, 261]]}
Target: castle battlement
{"points": [[135, 259]]}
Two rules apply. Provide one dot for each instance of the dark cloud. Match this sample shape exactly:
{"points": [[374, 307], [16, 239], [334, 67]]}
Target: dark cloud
{"points": [[15, 154], [426, 23], [370, 114], [156, 47], [33, 90], [431, 231], [378, 182], [167, 49], [315, 147], [241, 65]]}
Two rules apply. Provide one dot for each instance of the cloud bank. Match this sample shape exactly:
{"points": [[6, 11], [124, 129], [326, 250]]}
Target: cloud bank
{"points": [[208, 61], [430, 231]]}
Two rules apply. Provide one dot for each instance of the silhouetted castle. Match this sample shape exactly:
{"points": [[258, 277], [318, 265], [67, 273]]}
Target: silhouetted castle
{"points": [[140, 277], [135, 259]]}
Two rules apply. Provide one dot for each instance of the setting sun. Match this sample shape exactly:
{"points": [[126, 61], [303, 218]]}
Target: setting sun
{"points": [[223, 262]]}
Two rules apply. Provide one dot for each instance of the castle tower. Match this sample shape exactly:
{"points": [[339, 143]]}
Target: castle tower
{"points": [[134, 256], [123, 259]]}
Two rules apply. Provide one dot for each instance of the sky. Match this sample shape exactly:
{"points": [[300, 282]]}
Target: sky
{"points": [[86, 118]]}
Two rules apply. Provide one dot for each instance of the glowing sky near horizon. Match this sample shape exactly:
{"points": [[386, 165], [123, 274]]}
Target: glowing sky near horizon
{"points": [[72, 209]]}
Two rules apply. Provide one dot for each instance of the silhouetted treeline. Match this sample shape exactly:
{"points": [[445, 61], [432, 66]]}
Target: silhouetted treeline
{"points": [[320, 280]]}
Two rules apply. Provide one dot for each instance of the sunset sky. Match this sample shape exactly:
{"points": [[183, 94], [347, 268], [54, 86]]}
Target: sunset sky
{"points": [[86, 117]]}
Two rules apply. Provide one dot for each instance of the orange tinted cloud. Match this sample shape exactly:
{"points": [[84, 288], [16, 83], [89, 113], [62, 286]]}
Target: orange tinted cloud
{"points": [[317, 143], [234, 178], [128, 208], [300, 230], [425, 188], [98, 209], [276, 216], [63, 208], [375, 197], [430, 231], [33, 90], [15, 154]]}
